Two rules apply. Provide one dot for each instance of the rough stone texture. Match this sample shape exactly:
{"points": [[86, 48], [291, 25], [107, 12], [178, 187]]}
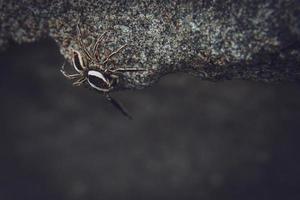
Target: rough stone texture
{"points": [[216, 40]]}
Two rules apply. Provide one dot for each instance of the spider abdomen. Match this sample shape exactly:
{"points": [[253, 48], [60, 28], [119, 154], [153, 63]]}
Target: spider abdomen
{"points": [[98, 81]]}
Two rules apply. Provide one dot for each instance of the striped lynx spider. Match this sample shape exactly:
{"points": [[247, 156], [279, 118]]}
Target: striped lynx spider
{"points": [[93, 70]]}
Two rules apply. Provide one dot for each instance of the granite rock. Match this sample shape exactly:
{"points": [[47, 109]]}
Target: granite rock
{"points": [[215, 40]]}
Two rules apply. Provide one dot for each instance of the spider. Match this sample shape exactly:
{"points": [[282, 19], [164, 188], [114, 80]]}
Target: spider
{"points": [[94, 71]]}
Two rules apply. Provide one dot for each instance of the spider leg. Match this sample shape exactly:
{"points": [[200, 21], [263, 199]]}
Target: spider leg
{"points": [[79, 38], [128, 70], [79, 81], [117, 105], [113, 53], [96, 46], [68, 76]]}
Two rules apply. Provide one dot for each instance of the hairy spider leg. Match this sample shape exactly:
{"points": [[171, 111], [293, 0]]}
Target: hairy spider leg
{"points": [[128, 70], [79, 81], [79, 38], [68, 76], [97, 45], [117, 105], [113, 53]]}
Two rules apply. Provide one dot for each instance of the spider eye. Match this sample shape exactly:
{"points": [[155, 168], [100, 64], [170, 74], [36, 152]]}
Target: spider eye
{"points": [[98, 81], [77, 61]]}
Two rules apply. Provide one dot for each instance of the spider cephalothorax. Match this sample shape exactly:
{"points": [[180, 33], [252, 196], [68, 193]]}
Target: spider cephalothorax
{"points": [[93, 70]]}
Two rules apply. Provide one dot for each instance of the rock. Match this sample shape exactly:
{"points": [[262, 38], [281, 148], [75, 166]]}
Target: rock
{"points": [[215, 40]]}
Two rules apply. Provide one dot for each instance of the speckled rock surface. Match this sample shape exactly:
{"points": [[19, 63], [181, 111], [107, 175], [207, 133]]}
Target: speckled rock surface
{"points": [[216, 40]]}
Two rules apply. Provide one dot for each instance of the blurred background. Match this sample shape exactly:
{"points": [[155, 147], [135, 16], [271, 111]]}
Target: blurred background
{"points": [[190, 139]]}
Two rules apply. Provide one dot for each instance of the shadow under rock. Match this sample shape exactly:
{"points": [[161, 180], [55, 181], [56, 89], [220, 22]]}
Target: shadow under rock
{"points": [[189, 139]]}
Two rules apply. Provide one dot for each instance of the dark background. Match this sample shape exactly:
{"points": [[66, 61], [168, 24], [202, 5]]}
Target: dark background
{"points": [[190, 139]]}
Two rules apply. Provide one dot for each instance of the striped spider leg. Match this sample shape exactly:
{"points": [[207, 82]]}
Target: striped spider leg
{"points": [[94, 72]]}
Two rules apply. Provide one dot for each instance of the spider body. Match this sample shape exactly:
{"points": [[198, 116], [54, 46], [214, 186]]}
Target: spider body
{"points": [[94, 71]]}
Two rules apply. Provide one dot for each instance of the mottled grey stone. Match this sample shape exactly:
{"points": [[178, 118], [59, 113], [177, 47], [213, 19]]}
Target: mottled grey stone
{"points": [[215, 40]]}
